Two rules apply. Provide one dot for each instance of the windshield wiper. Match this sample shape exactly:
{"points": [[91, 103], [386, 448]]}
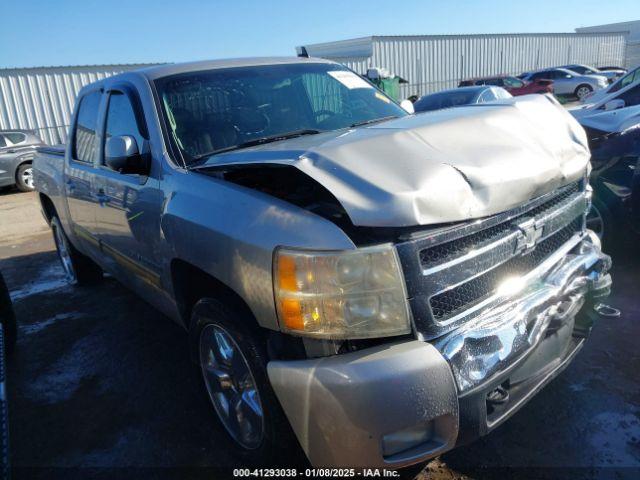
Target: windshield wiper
{"points": [[373, 120], [252, 143]]}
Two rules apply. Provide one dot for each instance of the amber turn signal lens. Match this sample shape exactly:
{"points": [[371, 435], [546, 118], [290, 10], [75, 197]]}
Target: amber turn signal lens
{"points": [[287, 274], [291, 311]]}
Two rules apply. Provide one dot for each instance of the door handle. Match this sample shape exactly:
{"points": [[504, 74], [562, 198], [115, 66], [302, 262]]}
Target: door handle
{"points": [[71, 186]]}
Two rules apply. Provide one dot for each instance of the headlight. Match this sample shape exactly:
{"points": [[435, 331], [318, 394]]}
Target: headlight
{"points": [[344, 294]]}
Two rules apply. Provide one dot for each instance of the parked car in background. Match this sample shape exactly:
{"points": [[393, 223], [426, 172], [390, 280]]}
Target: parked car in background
{"points": [[566, 82], [622, 69], [613, 113], [632, 77], [460, 96], [386, 286], [513, 85], [615, 180], [611, 74], [17, 149]]}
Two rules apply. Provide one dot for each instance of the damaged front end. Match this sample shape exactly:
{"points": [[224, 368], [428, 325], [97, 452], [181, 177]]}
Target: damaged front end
{"points": [[508, 301]]}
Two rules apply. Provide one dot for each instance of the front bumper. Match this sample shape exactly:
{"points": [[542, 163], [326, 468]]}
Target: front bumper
{"points": [[360, 408]]}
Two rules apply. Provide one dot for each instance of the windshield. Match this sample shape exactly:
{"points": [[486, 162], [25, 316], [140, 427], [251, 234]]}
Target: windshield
{"points": [[219, 110], [451, 98]]}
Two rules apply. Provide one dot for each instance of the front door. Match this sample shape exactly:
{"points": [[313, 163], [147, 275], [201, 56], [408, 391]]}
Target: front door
{"points": [[80, 171], [128, 211]]}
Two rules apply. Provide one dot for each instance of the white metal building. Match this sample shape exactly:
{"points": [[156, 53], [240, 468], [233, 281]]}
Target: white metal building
{"points": [[631, 31], [42, 98], [435, 62]]}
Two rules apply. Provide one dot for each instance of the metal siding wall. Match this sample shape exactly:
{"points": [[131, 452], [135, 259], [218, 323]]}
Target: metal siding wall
{"points": [[357, 64], [633, 55], [439, 62], [42, 99]]}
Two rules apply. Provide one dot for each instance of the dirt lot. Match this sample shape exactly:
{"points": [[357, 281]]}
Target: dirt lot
{"points": [[101, 384]]}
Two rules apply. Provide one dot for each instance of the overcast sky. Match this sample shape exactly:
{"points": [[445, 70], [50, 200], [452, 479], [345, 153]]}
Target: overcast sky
{"points": [[81, 32]]}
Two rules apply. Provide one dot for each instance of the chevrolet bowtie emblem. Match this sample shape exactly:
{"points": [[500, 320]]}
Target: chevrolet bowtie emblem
{"points": [[528, 234]]}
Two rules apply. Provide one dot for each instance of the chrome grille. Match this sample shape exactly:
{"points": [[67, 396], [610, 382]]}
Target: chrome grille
{"points": [[469, 293], [453, 273], [446, 251]]}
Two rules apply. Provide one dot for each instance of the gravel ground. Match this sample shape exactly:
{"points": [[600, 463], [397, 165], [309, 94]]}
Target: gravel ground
{"points": [[101, 385]]}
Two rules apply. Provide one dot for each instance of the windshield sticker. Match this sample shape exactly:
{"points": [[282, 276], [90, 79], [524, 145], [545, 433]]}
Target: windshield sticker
{"points": [[349, 79]]}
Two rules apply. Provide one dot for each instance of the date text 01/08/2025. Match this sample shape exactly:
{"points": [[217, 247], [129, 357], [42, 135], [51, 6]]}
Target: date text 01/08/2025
{"points": [[315, 472]]}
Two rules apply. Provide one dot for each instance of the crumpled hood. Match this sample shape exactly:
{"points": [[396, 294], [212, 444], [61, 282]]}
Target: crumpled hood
{"points": [[438, 167]]}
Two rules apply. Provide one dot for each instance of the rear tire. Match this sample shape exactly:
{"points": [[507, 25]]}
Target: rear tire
{"points": [[24, 178], [270, 441], [79, 268], [583, 90]]}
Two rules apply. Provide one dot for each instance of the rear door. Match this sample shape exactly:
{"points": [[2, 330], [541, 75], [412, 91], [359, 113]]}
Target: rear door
{"points": [[128, 210], [81, 168], [562, 84]]}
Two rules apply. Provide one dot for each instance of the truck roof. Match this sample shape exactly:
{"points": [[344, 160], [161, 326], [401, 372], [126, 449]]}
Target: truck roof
{"points": [[160, 71]]}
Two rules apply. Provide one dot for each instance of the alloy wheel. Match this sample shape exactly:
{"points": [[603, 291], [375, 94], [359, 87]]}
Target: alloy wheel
{"points": [[595, 221], [583, 92], [27, 177], [231, 386], [64, 253]]}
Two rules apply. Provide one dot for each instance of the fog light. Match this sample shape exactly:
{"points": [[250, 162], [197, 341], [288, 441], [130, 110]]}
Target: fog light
{"points": [[406, 439]]}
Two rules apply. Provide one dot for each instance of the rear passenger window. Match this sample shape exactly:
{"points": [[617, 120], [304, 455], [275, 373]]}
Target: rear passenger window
{"points": [[15, 138], [84, 139]]}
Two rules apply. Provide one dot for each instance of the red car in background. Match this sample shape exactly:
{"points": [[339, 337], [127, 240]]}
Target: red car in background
{"points": [[513, 85]]}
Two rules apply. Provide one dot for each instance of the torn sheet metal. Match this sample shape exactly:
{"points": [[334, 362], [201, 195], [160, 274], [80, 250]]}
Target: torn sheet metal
{"points": [[438, 167]]}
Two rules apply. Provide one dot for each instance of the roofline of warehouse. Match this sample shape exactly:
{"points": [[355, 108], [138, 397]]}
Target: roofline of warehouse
{"points": [[469, 35], [614, 24], [476, 35]]}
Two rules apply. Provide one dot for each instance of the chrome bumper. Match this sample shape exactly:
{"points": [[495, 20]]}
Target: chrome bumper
{"points": [[550, 296]]}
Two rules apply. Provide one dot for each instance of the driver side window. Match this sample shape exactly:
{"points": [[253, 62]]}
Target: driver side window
{"points": [[121, 119], [631, 97]]}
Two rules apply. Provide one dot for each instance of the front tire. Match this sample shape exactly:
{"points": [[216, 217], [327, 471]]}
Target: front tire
{"points": [[600, 220], [78, 268], [583, 90], [24, 178], [232, 357]]}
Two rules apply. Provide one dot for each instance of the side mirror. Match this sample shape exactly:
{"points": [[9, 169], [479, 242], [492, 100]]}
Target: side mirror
{"points": [[614, 104], [121, 154], [407, 106]]}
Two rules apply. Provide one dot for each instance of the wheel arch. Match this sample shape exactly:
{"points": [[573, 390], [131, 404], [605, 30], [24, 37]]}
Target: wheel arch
{"points": [[191, 284], [48, 208], [22, 160]]}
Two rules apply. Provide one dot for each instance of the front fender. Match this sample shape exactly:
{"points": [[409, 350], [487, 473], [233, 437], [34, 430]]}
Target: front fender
{"points": [[230, 232]]}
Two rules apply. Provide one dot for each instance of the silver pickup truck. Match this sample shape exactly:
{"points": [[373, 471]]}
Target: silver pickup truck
{"points": [[377, 286]]}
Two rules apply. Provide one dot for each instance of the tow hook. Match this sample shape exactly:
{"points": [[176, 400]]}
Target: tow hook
{"points": [[605, 310], [498, 396]]}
